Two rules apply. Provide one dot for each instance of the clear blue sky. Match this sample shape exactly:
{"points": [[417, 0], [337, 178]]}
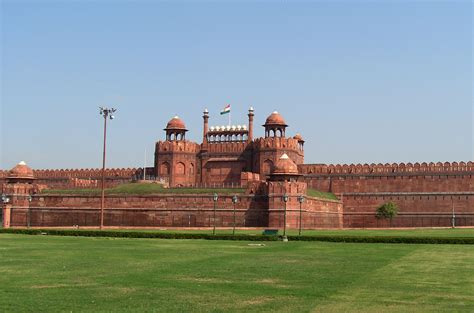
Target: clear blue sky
{"points": [[362, 81]]}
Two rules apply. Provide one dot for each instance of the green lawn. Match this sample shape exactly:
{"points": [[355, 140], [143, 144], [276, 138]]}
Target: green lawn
{"points": [[321, 194], [48, 274], [143, 189], [150, 189], [417, 232]]}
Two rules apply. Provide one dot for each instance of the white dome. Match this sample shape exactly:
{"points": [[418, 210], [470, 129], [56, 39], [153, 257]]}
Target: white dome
{"points": [[217, 128], [212, 128], [222, 127], [233, 127], [227, 127], [244, 127]]}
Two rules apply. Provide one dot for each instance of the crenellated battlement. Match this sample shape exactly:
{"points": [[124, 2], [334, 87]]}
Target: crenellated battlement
{"points": [[227, 147], [277, 143], [177, 146], [84, 173], [386, 168]]}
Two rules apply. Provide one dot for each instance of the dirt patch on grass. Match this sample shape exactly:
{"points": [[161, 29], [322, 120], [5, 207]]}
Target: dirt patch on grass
{"points": [[257, 301], [50, 286], [272, 282], [206, 280]]}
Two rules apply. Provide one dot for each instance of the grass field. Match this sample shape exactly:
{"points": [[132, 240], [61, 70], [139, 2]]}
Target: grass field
{"points": [[142, 189], [47, 273], [150, 189], [416, 232]]}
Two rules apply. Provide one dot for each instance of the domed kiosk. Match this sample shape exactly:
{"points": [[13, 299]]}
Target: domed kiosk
{"points": [[285, 170], [21, 173], [175, 129], [275, 125]]}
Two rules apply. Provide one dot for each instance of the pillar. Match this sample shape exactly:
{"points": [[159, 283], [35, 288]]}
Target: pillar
{"points": [[7, 210], [205, 126], [251, 115]]}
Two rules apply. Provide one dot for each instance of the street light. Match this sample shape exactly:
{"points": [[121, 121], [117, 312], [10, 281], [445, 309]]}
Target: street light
{"points": [[29, 212], [453, 218], [285, 199], [234, 202], [300, 200], [106, 113], [215, 198], [5, 199]]}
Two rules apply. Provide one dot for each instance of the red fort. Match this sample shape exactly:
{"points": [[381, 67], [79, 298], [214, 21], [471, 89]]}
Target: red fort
{"points": [[267, 168]]}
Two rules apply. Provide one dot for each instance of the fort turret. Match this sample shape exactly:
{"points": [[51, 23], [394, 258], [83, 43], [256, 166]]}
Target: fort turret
{"points": [[269, 149], [176, 157]]}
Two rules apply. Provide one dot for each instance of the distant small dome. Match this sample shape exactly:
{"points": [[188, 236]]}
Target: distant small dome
{"points": [[299, 137], [222, 127], [285, 166], [275, 119], [212, 128], [227, 127], [176, 123], [244, 127], [21, 171], [239, 127], [233, 127]]}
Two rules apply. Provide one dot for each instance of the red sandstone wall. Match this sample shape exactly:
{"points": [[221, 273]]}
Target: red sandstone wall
{"points": [[145, 211], [68, 178], [315, 213], [416, 210], [173, 210], [439, 177], [387, 168], [441, 182]]}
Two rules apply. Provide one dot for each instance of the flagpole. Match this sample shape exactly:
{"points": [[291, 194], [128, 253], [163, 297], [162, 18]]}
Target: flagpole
{"points": [[229, 116], [144, 167]]}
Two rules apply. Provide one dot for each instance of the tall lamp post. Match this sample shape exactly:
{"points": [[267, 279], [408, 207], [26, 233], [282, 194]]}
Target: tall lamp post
{"points": [[106, 113], [285, 199], [301, 200], [5, 200], [215, 198], [234, 202], [453, 218], [29, 212]]}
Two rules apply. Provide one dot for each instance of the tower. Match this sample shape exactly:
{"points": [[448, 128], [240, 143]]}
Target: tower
{"points": [[175, 158], [283, 183], [268, 150]]}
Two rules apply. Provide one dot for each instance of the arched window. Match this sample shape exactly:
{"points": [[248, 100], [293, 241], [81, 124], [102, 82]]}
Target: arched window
{"points": [[191, 169], [180, 168], [165, 169], [267, 167]]}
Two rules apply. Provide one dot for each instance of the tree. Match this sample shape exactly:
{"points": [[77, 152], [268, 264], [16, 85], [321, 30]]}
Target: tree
{"points": [[387, 210]]}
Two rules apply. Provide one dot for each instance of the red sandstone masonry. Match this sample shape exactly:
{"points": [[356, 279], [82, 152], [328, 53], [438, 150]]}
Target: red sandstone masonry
{"points": [[170, 210], [416, 209]]}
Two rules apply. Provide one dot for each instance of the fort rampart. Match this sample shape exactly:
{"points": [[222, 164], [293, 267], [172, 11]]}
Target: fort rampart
{"points": [[170, 211]]}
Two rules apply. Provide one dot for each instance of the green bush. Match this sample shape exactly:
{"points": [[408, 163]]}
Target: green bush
{"points": [[334, 238], [387, 210]]}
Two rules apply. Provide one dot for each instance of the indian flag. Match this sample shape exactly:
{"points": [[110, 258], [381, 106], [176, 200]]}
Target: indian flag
{"points": [[226, 110]]}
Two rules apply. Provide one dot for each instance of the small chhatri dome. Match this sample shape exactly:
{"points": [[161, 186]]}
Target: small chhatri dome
{"points": [[275, 119], [21, 171], [175, 123], [299, 137], [285, 166]]}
